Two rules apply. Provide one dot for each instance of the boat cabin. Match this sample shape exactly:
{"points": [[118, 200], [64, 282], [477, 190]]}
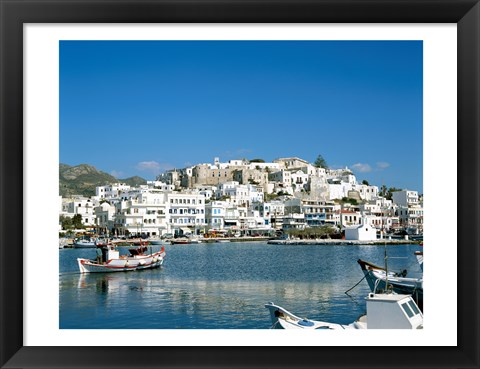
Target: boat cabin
{"points": [[391, 311], [112, 254]]}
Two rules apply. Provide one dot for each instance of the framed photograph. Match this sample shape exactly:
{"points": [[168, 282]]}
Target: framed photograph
{"points": [[60, 103]]}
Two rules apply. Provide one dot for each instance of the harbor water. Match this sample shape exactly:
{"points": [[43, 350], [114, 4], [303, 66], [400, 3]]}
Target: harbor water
{"points": [[224, 286]]}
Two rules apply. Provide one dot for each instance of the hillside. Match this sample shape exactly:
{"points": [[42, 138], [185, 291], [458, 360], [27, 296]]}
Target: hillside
{"points": [[82, 180]]}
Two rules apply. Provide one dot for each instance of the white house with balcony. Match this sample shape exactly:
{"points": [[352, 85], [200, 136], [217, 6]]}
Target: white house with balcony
{"points": [[215, 212], [300, 180], [145, 213], [405, 197], [186, 212]]}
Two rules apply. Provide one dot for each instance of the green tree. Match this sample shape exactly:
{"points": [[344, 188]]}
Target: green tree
{"points": [[365, 182], [77, 221], [349, 200], [383, 191], [320, 162], [257, 161], [66, 222]]}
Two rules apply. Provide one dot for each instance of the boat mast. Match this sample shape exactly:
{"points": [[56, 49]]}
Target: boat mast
{"points": [[385, 258], [386, 267]]}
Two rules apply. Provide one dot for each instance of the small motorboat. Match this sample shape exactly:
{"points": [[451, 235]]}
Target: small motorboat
{"points": [[84, 243], [184, 241], [384, 311], [376, 277], [116, 263], [155, 241]]}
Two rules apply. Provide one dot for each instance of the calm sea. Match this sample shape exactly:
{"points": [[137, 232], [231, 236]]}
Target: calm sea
{"points": [[224, 285]]}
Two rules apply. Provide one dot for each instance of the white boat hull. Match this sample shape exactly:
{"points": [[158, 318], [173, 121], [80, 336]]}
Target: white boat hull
{"points": [[384, 311], [123, 264], [84, 244], [283, 319]]}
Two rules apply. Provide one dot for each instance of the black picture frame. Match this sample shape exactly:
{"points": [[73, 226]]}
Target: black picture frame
{"points": [[14, 13]]}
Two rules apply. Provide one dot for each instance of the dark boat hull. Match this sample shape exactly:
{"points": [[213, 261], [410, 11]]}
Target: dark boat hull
{"points": [[375, 277]]}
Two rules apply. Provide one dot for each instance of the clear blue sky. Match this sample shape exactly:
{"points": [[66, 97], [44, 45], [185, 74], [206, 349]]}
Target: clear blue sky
{"points": [[141, 107]]}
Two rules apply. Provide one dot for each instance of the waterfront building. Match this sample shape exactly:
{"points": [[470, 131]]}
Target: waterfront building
{"points": [[361, 232], [104, 214], [318, 213], [186, 212], [235, 217], [294, 221], [80, 205], [143, 213], [411, 218], [215, 212], [350, 218]]}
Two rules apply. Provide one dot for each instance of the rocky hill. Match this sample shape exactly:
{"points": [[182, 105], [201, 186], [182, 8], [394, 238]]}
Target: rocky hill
{"points": [[82, 180]]}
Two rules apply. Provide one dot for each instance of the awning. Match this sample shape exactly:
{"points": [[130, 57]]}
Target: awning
{"points": [[185, 230]]}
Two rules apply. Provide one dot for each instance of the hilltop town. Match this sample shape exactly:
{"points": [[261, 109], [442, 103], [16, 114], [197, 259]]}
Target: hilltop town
{"points": [[247, 198]]}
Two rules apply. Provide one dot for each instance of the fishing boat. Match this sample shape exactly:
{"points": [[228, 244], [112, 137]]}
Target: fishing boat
{"points": [[137, 260], [384, 311], [377, 278]]}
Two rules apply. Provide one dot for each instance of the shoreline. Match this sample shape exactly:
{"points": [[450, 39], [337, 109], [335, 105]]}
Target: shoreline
{"points": [[331, 242]]}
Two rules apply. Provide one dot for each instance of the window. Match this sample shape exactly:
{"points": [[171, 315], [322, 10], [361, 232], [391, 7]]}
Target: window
{"points": [[407, 309], [414, 307]]}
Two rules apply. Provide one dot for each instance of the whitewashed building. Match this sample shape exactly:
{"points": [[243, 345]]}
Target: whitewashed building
{"points": [[83, 206], [405, 197], [111, 190], [361, 232], [215, 212], [186, 212]]}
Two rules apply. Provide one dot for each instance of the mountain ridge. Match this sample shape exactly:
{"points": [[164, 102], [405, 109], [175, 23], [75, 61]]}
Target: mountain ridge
{"points": [[82, 179]]}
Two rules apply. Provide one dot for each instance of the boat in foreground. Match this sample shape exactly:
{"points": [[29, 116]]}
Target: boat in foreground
{"points": [[124, 263], [376, 277], [384, 311]]}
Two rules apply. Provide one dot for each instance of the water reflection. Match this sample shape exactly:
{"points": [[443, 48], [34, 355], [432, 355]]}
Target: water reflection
{"points": [[222, 287]]}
